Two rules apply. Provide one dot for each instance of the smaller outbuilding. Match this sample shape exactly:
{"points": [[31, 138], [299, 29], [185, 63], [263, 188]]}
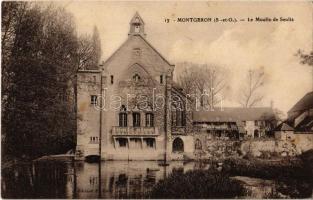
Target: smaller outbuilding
{"points": [[284, 132]]}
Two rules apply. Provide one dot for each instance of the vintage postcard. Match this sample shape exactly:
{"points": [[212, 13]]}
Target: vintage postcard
{"points": [[156, 99]]}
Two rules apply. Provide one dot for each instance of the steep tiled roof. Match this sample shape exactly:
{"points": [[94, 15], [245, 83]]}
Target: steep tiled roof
{"points": [[234, 114], [303, 104], [306, 124]]}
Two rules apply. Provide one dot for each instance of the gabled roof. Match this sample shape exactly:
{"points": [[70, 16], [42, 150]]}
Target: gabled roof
{"points": [[234, 114], [305, 103], [157, 51], [145, 42], [284, 127]]}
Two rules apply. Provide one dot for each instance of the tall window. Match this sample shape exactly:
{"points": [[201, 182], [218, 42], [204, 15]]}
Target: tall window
{"points": [[161, 79], [180, 118], [183, 118], [112, 79], [123, 119], [149, 120], [178, 113], [136, 119], [93, 99]]}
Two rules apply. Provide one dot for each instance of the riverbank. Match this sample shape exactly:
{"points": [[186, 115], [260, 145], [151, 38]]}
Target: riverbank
{"points": [[293, 178]]}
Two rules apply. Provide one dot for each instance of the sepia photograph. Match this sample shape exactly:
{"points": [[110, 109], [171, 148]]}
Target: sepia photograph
{"points": [[156, 99]]}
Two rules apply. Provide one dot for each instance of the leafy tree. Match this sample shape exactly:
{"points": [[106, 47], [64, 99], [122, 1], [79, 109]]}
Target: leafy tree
{"points": [[42, 55]]}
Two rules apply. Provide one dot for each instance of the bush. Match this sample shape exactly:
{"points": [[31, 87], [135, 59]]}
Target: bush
{"points": [[198, 184]]}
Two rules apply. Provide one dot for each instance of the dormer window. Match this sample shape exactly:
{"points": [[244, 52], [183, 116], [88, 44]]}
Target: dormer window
{"points": [[136, 78]]}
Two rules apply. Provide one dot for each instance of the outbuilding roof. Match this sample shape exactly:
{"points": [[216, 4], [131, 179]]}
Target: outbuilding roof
{"points": [[284, 127], [234, 114]]}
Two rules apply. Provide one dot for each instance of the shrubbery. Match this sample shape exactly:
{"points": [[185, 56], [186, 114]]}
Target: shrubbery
{"points": [[198, 184]]}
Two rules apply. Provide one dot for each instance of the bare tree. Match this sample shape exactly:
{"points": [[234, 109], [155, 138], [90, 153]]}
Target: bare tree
{"points": [[216, 83], [89, 50], [85, 52], [204, 82], [251, 90]]}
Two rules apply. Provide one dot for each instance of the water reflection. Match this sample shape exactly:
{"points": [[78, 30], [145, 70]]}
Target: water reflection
{"points": [[111, 179], [67, 179]]}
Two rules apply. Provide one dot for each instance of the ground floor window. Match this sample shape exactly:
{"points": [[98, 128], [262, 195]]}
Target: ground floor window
{"points": [[178, 145], [150, 142], [198, 144], [122, 142]]}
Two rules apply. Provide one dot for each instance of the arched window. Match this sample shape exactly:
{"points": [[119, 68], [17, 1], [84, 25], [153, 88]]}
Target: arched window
{"points": [[136, 119], [136, 78], [178, 145], [123, 117], [178, 113], [198, 145], [149, 120]]}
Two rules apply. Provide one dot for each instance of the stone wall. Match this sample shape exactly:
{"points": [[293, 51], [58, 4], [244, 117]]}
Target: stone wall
{"points": [[207, 147], [88, 83], [262, 147], [298, 144]]}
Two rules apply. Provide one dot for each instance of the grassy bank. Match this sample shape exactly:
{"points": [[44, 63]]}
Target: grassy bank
{"points": [[197, 184]]}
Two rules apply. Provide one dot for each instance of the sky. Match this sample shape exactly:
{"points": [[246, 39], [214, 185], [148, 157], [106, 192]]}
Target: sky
{"points": [[237, 47]]}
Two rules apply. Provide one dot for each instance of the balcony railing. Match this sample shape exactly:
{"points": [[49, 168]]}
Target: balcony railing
{"points": [[134, 131]]}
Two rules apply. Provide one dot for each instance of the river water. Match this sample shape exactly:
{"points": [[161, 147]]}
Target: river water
{"points": [[110, 179]]}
